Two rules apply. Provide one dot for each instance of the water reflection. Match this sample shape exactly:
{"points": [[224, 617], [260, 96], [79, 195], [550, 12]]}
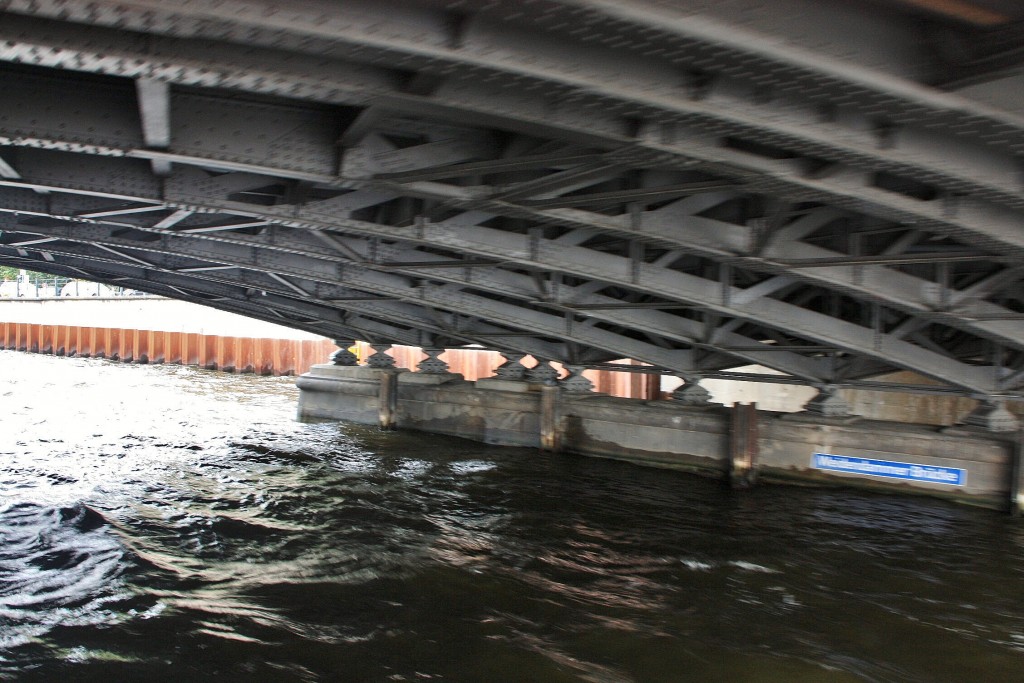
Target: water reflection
{"points": [[178, 524]]}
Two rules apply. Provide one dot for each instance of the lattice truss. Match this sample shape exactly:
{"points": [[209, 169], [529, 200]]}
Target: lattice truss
{"points": [[577, 180]]}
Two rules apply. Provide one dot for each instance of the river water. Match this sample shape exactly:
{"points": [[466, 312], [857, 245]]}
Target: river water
{"points": [[162, 523]]}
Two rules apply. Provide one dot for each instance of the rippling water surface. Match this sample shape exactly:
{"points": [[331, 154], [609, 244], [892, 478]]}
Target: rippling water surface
{"points": [[164, 523]]}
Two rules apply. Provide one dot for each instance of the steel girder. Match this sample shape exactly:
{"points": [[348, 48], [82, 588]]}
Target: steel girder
{"points": [[291, 275], [676, 226], [591, 179], [306, 254]]}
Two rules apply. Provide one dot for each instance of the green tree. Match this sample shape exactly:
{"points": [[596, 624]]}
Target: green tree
{"points": [[11, 273]]}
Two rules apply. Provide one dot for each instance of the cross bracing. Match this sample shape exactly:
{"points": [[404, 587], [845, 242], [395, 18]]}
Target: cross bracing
{"points": [[579, 180]]}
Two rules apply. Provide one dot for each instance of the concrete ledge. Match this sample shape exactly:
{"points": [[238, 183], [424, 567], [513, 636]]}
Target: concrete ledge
{"points": [[430, 379], [331, 371], [668, 434], [336, 392], [809, 418], [498, 384]]}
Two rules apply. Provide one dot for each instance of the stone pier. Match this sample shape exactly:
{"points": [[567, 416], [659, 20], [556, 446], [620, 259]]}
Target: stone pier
{"points": [[965, 463]]}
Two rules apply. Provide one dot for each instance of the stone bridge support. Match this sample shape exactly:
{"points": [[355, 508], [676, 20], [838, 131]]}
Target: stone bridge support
{"points": [[741, 443]]}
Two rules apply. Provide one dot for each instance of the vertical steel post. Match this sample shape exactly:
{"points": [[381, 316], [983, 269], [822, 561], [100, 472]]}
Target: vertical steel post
{"points": [[1017, 476], [550, 419], [387, 403], [743, 446]]}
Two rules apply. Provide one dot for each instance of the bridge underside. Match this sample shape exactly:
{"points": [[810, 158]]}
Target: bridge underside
{"points": [[834, 190]]}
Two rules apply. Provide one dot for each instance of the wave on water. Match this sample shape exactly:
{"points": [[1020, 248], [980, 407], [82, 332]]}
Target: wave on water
{"points": [[59, 566]]}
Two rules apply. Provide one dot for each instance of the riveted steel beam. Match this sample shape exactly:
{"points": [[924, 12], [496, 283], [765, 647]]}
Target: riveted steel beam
{"points": [[500, 282], [244, 293], [507, 285], [321, 271], [535, 142], [644, 319], [473, 238], [487, 106], [715, 239], [510, 57]]}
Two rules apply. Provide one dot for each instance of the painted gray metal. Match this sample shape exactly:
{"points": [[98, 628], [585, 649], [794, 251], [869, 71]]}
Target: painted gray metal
{"points": [[694, 185]]}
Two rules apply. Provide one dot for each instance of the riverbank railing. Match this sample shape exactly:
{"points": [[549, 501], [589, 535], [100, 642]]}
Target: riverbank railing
{"points": [[57, 287]]}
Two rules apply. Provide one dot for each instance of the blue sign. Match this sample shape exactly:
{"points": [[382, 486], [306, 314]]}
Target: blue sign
{"points": [[893, 470]]}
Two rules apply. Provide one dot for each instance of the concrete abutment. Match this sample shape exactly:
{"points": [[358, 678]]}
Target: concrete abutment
{"points": [[740, 444]]}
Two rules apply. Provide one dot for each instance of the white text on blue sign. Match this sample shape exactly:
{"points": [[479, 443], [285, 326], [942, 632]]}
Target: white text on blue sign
{"points": [[894, 470]]}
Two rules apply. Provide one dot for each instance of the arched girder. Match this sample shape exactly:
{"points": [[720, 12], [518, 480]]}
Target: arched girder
{"points": [[372, 282], [542, 324], [496, 280], [712, 238], [609, 155], [591, 115], [466, 234], [185, 289], [130, 246], [251, 295], [306, 257], [507, 48]]}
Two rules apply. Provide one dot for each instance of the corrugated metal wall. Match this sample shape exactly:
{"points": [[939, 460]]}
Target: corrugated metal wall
{"points": [[263, 356]]}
